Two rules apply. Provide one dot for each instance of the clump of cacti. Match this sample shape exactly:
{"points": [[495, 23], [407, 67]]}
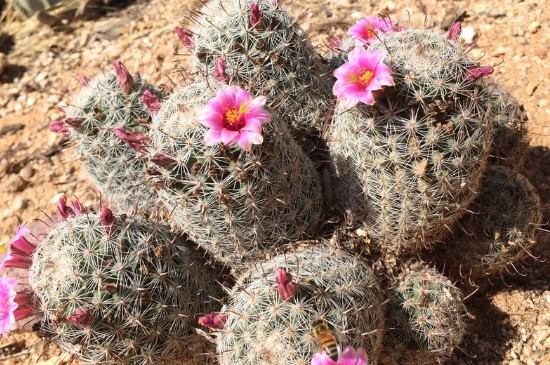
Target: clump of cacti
{"points": [[232, 202], [271, 310], [258, 46], [106, 123], [415, 123], [114, 289], [408, 164], [500, 228]]}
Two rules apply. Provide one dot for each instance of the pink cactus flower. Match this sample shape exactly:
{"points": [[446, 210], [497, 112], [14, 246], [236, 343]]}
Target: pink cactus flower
{"points": [[77, 208], [256, 16], [58, 126], [233, 116], [125, 80], [219, 71], [215, 320], [81, 317], [151, 100], [348, 357], [364, 31], [7, 304], [19, 251], [364, 73], [285, 286], [455, 31], [107, 219], [477, 72], [185, 36]]}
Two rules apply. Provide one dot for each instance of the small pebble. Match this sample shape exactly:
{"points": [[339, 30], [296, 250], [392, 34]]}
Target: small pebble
{"points": [[468, 34], [533, 27]]}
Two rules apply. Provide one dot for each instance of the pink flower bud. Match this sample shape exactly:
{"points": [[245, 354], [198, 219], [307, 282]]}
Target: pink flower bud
{"points": [[63, 109], [335, 43], [455, 31], [163, 159], [186, 37], [77, 208], [125, 80], [151, 100], [58, 126], [477, 72], [107, 219], [214, 320], [256, 16], [64, 211], [81, 317], [135, 140], [75, 122], [84, 81], [286, 288], [19, 251], [219, 71]]}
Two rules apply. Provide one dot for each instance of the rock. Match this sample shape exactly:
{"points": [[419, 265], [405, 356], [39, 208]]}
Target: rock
{"points": [[3, 62], [26, 173], [11, 128], [515, 362], [495, 12], [468, 34], [15, 184], [522, 41], [533, 27]]}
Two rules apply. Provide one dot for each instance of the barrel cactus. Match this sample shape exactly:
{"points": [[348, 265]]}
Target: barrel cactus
{"points": [[233, 202], [426, 314], [264, 51], [271, 309], [114, 289], [407, 165], [106, 123], [499, 230]]}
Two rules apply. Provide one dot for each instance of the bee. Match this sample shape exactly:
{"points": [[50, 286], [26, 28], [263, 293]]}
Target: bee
{"points": [[326, 339]]}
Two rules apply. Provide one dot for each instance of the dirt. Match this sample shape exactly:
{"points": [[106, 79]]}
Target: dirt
{"points": [[509, 320]]}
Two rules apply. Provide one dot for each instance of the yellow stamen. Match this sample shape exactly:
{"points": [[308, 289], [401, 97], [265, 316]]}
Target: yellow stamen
{"points": [[232, 117]]}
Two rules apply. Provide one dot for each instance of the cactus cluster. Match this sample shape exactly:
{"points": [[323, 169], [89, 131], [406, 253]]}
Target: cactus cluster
{"points": [[424, 152], [118, 290]]}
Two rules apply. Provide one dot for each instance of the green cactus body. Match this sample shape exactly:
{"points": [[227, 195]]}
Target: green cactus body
{"points": [[511, 139], [426, 315], [407, 167], [116, 169], [264, 329], [501, 228], [273, 58], [137, 290], [233, 203]]}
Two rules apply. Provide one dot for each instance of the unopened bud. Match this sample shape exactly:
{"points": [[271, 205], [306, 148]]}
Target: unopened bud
{"points": [[81, 317], [285, 286], [125, 80], [107, 219], [151, 100], [256, 16], [186, 37], [58, 126], [219, 71], [75, 122], [455, 31], [475, 73], [335, 43], [135, 140], [163, 159], [214, 320], [84, 81]]}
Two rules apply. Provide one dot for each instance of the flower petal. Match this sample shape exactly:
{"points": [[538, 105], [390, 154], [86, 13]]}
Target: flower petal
{"points": [[213, 136], [246, 139], [229, 136]]}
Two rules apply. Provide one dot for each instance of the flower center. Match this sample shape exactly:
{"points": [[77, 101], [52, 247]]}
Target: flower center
{"points": [[369, 31], [364, 77], [233, 119]]}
